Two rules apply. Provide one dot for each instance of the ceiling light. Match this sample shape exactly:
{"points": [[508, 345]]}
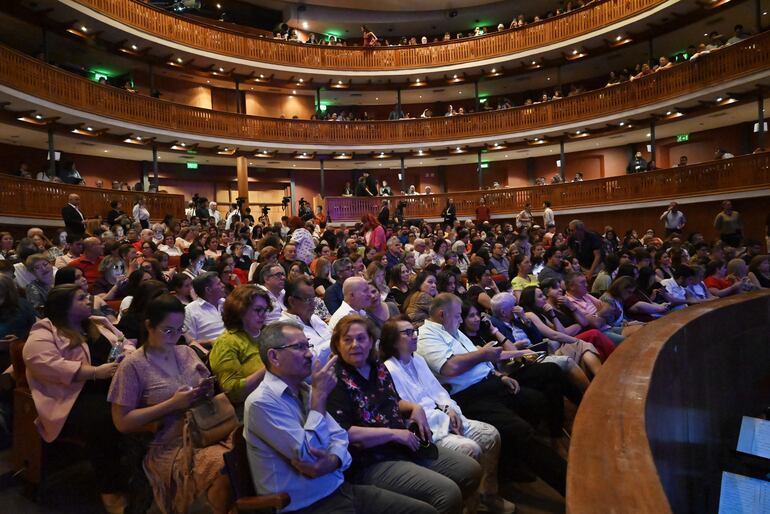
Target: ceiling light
{"points": [[221, 70], [134, 48], [618, 37], [90, 129], [106, 151], [418, 81], [648, 134], [578, 132], [219, 6], [622, 123], [294, 92], [304, 25], [455, 76], [83, 28], [38, 116], [339, 82], [668, 113], [494, 70], [534, 62], [548, 78], [574, 52], [179, 60], [719, 99], [138, 138], [261, 76], [343, 154], [377, 98], [301, 81]]}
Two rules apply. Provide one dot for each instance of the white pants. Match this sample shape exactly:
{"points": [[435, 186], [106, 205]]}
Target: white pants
{"points": [[480, 441]]}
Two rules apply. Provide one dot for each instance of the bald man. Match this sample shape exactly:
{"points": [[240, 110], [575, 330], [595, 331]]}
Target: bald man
{"points": [[74, 220], [89, 260], [355, 293]]}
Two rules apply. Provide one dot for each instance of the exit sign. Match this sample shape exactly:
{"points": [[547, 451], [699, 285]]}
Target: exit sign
{"points": [[682, 138], [192, 165]]}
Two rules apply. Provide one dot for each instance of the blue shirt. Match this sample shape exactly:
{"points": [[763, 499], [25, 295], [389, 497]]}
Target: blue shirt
{"points": [[279, 427], [333, 297], [437, 346]]}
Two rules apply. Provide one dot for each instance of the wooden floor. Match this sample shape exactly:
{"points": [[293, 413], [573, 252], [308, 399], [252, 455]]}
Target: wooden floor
{"points": [[72, 492]]}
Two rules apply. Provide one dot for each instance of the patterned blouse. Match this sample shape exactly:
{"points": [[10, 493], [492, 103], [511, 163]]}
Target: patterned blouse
{"points": [[368, 402]]}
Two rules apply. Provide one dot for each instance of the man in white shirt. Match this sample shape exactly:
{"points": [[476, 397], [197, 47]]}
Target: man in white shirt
{"points": [[549, 219], [230, 214], [674, 219], [272, 278], [214, 213], [419, 248], [356, 298], [203, 317], [300, 303], [482, 393], [294, 445], [683, 277]]}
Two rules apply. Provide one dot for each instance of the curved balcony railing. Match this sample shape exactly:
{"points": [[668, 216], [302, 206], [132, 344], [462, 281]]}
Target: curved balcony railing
{"points": [[30, 76], [28, 198], [728, 175], [661, 420], [214, 39]]}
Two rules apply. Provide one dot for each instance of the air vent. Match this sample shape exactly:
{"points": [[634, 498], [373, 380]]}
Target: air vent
{"points": [[439, 90], [274, 162], [356, 94]]}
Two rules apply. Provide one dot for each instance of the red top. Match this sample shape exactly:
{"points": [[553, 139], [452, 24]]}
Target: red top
{"points": [[90, 269], [718, 283], [482, 213]]}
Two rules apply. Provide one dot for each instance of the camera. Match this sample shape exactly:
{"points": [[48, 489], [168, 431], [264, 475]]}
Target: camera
{"points": [[265, 210], [302, 201], [285, 202]]}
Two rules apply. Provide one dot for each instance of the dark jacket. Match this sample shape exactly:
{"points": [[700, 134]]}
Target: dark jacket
{"points": [[74, 222]]}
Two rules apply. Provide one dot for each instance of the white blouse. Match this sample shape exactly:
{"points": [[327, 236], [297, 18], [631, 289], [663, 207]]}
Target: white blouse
{"points": [[426, 391]]}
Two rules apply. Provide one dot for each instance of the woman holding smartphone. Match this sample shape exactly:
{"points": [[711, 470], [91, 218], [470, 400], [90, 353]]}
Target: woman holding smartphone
{"points": [[152, 389]]}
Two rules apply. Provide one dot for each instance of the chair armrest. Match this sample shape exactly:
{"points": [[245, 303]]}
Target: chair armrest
{"points": [[267, 501]]}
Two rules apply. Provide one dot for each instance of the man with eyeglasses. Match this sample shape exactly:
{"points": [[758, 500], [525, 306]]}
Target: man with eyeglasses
{"points": [[272, 279], [484, 394], [203, 317], [300, 305], [357, 298], [294, 445]]}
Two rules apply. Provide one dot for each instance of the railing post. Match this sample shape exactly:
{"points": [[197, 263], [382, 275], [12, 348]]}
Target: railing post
{"points": [[760, 120], [51, 154], [323, 179]]}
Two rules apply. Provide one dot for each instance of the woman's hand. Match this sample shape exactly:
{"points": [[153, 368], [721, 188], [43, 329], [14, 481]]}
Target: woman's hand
{"points": [[184, 397], [105, 371], [419, 417], [455, 422], [406, 438]]}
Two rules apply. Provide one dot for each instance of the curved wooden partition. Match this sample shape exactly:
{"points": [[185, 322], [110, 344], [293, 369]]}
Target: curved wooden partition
{"points": [[23, 73], [212, 38], [658, 424], [730, 175], [28, 198]]}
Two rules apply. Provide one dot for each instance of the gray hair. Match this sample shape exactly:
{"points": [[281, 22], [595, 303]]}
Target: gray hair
{"points": [[338, 265], [265, 271], [502, 302], [442, 301], [393, 240], [272, 337]]}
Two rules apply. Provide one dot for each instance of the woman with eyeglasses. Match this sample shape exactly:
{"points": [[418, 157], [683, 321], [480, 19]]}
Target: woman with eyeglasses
{"points": [[66, 355], [151, 390], [416, 383], [234, 358], [390, 437]]}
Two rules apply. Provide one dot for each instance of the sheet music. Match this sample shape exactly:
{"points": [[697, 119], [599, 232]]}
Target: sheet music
{"points": [[743, 495], [754, 438]]}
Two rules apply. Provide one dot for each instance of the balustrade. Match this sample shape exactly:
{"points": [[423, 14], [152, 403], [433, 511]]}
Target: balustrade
{"points": [[214, 38], [23, 73], [28, 198], [727, 175]]}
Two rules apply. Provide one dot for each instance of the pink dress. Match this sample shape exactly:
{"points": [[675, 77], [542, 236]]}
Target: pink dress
{"points": [[177, 477]]}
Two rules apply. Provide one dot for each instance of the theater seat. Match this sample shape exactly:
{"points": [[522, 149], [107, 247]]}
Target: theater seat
{"points": [[239, 473], [29, 453], [114, 305], [174, 261]]}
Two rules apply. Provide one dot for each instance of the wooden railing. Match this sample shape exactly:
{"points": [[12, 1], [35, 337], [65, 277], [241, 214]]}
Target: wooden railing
{"points": [[28, 198], [211, 38], [660, 421], [23, 73], [729, 175]]}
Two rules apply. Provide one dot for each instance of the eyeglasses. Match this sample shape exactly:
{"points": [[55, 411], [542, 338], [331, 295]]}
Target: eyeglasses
{"points": [[308, 299], [260, 311], [410, 332], [170, 331], [302, 347], [280, 274]]}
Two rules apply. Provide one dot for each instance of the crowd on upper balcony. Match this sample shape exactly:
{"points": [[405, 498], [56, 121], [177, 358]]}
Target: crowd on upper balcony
{"points": [[370, 39]]}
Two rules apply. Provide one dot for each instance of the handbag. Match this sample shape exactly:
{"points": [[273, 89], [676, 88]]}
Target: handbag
{"points": [[211, 420]]}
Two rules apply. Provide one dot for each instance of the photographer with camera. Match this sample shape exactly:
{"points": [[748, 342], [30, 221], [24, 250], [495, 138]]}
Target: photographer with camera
{"points": [[265, 217], [305, 212]]}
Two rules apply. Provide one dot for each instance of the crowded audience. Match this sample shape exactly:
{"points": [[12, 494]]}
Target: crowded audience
{"points": [[399, 363]]}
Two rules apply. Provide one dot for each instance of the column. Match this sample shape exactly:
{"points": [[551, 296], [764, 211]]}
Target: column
{"points": [[238, 97], [653, 150], [293, 187], [154, 166], [476, 94], [151, 78], [480, 170], [398, 113], [761, 120], [242, 171], [51, 154], [318, 100], [562, 159], [45, 46], [323, 180], [402, 175]]}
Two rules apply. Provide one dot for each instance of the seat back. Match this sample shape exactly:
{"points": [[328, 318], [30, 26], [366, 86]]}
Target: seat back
{"points": [[173, 261], [237, 467], [17, 361], [114, 305]]}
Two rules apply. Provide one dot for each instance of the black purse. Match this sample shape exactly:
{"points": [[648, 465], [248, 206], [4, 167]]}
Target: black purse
{"points": [[428, 450]]}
